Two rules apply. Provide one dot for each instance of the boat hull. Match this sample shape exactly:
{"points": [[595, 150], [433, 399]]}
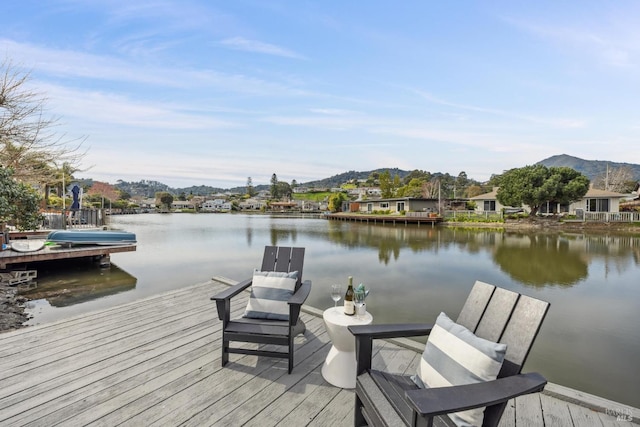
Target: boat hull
{"points": [[92, 237], [27, 245]]}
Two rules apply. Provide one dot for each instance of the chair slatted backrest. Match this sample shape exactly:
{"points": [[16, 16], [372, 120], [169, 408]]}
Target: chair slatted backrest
{"points": [[500, 315], [497, 315], [283, 259], [521, 332], [476, 304]]}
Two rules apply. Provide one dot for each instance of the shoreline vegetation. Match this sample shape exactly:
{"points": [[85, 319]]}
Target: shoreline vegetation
{"points": [[12, 315], [12, 305], [525, 223]]}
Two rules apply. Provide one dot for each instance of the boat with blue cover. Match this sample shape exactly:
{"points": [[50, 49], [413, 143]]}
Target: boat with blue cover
{"points": [[92, 237]]}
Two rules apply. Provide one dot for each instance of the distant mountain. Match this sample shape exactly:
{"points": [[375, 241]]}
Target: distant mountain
{"points": [[147, 188], [590, 168], [337, 180]]}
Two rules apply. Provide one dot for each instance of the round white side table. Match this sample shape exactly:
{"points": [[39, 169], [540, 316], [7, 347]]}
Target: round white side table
{"points": [[339, 368]]}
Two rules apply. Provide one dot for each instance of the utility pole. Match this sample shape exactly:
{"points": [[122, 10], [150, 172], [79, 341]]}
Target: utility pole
{"points": [[64, 190]]}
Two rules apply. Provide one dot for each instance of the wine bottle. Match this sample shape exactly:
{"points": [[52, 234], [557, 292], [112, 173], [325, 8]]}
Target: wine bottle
{"points": [[349, 306]]}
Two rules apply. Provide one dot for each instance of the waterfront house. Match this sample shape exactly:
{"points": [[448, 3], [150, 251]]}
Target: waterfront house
{"points": [[393, 205], [489, 203], [252, 204], [148, 203], [216, 205], [182, 204], [283, 206], [595, 200], [598, 201]]}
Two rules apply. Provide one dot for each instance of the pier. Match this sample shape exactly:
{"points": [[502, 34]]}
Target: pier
{"points": [[9, 258], [418, 218], [156, 361]]}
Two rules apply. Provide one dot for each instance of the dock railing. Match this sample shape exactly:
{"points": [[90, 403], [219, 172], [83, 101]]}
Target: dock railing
{"points": [[612, 216], [454, 215], [627, 217], [64, 219]]}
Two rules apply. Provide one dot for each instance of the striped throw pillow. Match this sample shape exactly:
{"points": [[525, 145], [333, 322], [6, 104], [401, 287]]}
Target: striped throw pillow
{"points": [[455, 356], [270, 292]]}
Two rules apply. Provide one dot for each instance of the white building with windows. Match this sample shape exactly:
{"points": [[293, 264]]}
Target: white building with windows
{"points": [[594, 201], [216, 205]]}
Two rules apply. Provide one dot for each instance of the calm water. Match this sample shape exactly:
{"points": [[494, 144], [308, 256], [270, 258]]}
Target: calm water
{"points": [[590, 340]]}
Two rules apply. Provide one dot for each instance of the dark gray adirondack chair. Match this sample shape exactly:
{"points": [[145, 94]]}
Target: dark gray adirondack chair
{"points": [[279, 332], [495, 314]]}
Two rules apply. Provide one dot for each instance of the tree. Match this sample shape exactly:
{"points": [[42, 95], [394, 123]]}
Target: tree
{"points": [[164, 199], [336, 200], [386, 185], [537, 184], [460, 185], [250, 190], [431, 189], [618, 179], [474, 190], [396, 183], [274, 186], [284, 189], [417, 174], [124, 195], [28, 144], [412, 189], [19, 203], [101, 192], [373, 179]]}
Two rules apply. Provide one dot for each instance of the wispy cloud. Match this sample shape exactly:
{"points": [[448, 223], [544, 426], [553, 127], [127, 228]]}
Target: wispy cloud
{"points": [[616, 42], [74, 64], [240, 43], [117, 110], [324, 121], [333, 111], [555, 122]]}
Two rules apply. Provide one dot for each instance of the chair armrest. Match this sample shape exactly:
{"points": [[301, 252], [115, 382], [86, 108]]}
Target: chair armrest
{"points": [[296, 301], [444, 400], [232, 291], [391, 331], [223, 299], [300, 296], [365, 334]]}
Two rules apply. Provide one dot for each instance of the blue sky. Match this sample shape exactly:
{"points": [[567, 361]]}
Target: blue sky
{"points": [[211, 92]]}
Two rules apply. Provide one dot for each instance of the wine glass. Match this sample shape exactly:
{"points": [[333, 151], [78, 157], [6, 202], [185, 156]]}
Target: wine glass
{"points": [[336, 294], [358, 300]]}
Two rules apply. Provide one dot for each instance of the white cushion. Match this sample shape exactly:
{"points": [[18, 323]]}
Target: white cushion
{"points": [[270, 292], [455, 356]]}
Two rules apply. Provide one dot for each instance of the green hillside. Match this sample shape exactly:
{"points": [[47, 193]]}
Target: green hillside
{"points": [[589, 168]]}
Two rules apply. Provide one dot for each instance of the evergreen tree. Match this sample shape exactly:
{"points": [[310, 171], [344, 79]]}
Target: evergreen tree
{"points": [[274, 186]]}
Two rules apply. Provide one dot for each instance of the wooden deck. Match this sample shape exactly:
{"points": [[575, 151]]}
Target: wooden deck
{"points": [[9, 257], [157, 362]]}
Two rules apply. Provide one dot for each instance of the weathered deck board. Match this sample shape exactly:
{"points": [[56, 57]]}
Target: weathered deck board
{"points": [[8, 258], [157, 362]]}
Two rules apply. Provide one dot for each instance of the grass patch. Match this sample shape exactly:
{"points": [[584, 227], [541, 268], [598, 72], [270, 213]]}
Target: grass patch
{"points": [[312, 197]]}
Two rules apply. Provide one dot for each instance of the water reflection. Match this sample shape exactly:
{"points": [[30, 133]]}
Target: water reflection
{"points": [[528, 258], [68, 283], [541, 260]]}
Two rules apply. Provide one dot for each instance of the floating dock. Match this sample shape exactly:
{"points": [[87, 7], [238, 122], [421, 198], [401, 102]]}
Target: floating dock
{"points": [[51, 253], [416, 218]]}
